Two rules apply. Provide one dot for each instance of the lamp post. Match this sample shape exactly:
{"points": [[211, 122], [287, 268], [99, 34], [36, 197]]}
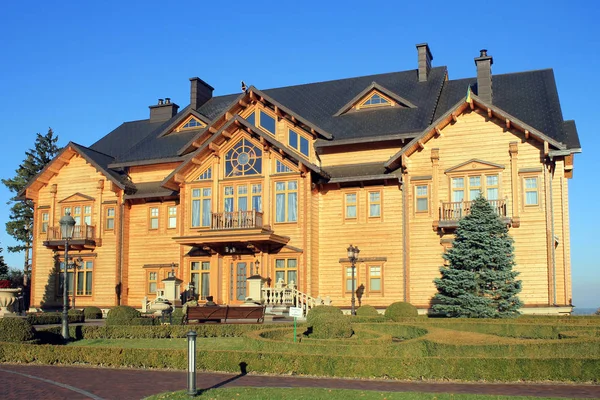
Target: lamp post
{"points": [[67, 225], [353, 256]]}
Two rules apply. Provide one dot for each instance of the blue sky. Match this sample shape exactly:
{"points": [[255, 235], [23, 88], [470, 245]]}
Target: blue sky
{"points": [[83, 68]]}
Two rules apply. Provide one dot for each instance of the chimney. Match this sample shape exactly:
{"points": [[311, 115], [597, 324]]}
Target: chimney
{"points": [[425, 58], [163, 111], [484, 76], [200, 92]]}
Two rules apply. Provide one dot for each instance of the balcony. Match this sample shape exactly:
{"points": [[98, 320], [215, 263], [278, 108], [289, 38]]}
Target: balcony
{"points": [[84, 237], [236, 220], [452, 212]]}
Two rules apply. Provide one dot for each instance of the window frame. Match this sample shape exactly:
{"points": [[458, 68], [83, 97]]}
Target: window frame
{"points": [[370, 276], [347, 277], [389, 102], [200, 272], [286, 269], [171, 216], [201, 199], [182, 126], [418, 197], [286, 192], [346, 205], [483, 186], [75, 272], [152, 218], [82, 215], [149, 281], [369, 203], [108, 217], [299, 138], [524, 178], [44, 222]]}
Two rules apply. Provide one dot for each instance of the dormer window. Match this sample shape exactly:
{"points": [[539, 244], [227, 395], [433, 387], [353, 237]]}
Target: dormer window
{"points": [[375, 99], [263, 120], [190, 123]]}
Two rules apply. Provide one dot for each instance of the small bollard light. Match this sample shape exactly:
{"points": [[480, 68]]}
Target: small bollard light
{"points": [[191, 336]]}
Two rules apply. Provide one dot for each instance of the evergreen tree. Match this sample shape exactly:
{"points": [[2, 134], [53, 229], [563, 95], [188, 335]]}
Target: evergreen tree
{"points": [[20, 221], [3, 267], [479, 281]]}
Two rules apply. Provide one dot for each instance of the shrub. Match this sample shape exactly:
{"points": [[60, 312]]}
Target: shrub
{"points": [[54, 318], [397, 311], [123, 315], [92, 312], [313, 312], [330, 326], [78, 314], [15, 330], [367, 311], [177, 316]]}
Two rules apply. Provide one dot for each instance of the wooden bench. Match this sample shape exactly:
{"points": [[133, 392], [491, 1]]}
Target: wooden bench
{"points": [[225, 314]]}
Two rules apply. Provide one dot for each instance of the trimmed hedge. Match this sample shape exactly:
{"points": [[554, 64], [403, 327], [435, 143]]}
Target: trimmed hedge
{"points": [[399, 310], [330, 326], [367, 311], [313, 312], [123, 315], [14, 329], [52, 318], [410, 368], [92, 312]]}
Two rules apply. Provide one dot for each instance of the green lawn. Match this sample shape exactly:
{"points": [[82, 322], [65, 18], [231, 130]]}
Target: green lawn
{"points": [[327, 394]]}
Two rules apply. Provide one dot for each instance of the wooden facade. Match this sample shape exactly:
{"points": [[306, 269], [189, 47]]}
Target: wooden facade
{"points": [[249, 196]]}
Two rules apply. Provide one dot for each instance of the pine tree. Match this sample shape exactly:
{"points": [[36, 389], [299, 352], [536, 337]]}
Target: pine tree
{"points": [[479, 281], [21, 212], [3, 267]]}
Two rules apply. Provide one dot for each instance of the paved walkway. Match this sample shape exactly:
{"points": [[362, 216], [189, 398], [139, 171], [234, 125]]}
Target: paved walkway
{"points": [[20, 382]]}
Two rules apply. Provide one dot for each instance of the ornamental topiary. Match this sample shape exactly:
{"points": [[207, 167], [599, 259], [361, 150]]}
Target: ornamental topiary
{"points": [[313, 312], [399, 310], [92, 312], [122, 315], [330, 326], [367, 311], [15, 330]]}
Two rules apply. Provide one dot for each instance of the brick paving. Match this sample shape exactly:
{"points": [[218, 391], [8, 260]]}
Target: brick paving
{"points": [[125, 384]]}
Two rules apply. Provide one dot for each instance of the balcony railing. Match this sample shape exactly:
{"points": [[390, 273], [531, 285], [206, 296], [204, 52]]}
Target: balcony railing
{"points": [[80, 232], [236, 220], [455, 210]]}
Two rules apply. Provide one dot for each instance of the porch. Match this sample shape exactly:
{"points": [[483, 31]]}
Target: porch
{"points": [[84, 237]]}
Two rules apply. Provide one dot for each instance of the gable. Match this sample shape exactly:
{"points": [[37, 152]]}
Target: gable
{"points": [[77, 197], [473, 165], [190, 122], [374, 96]]}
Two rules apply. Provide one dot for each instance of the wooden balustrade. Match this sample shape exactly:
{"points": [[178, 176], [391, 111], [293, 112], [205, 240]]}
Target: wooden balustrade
{"points": [[455, 210], [236, 220], [80, 232]]}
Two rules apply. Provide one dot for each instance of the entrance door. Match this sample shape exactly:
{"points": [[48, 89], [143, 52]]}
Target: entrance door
{"points": [[239, 273]]}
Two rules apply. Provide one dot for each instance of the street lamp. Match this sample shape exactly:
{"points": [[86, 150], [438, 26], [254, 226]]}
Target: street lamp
{"points": [[67, 225], [353, 256]]}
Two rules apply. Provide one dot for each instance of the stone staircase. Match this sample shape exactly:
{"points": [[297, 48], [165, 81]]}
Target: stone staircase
{"points": [[279, 299]]}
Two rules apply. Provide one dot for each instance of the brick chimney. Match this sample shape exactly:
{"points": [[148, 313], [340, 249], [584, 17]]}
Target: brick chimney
{"points": [[424, 59], [200, 92], [484, 76], [163, 111]]}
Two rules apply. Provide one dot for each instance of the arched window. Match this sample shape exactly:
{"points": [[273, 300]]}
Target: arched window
{"points": [[243, 159]]}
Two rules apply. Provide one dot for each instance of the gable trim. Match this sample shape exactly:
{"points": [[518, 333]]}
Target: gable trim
{"points": [[66, 199], [490, 164], [374, 86], [185, 114]]}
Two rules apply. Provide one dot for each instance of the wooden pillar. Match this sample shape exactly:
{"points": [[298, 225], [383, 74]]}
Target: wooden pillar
{"points": [[515, 184], [99, 211], [406, 236], [549, 236], [435, 164]]}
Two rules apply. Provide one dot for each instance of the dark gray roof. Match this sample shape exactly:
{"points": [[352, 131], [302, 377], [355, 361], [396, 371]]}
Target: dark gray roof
{"points": [[351, 170], [149, 190], [529, 96]]}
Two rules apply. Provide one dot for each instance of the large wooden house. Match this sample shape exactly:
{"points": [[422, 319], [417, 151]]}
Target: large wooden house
{"points": [[277, 183]]}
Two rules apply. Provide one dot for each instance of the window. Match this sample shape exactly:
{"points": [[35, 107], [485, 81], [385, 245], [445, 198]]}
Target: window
{"points": [[257, 196], [79, 275], [458, 189], [375, 204], [286, 201], [376, 100], [242, 197], [349, 279], [286, 270], [531, 191], [201, 278], [473, 185], [422, 198], [281, 167], [110, 218], [491, 183], [152, 282], [80, 213], [267, 122], [298, 142], [351, 205], [44, 225], [206, 175], [251, 118], [172, 217], [374, 278], [243, 159], [201, 207], [153, 223], [193, 123]]}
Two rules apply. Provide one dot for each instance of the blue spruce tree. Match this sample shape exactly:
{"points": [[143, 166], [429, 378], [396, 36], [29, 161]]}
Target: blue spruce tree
{"points": [[479, 281]]}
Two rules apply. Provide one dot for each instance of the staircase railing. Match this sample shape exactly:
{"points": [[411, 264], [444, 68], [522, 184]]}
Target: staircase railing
{"points": [[290, 297]]}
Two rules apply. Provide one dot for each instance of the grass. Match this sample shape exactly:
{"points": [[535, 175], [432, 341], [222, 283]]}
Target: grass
{"points": [[327, 394]]}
